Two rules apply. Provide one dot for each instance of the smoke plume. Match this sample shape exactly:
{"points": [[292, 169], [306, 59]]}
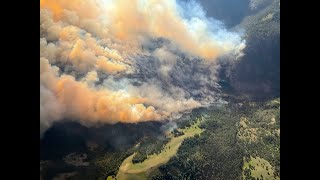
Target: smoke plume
{"points": [[108, 61]]}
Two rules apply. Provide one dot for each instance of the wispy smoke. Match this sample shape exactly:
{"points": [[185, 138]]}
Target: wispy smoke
{"points": [[107, 61], [256, 4]]}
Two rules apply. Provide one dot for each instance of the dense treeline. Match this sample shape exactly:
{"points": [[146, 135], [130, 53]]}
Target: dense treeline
{"points": [[218, 153], [214, 154], [110, 163], [114, 143], [177, 133], [150, 145], [268, 144], [257, 73]]}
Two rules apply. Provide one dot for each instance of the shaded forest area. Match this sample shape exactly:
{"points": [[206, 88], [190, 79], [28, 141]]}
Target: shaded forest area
{"points": [[215, 154]]}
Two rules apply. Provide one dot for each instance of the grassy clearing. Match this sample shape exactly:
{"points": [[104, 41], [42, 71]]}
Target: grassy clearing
{"points": [[259, 168], [259, 134], [128, 170]]}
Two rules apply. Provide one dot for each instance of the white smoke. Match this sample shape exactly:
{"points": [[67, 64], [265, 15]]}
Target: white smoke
{"points": [[106, 62]]}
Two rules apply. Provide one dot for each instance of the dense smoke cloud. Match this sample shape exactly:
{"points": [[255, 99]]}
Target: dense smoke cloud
{"points": [[107, 61]]}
